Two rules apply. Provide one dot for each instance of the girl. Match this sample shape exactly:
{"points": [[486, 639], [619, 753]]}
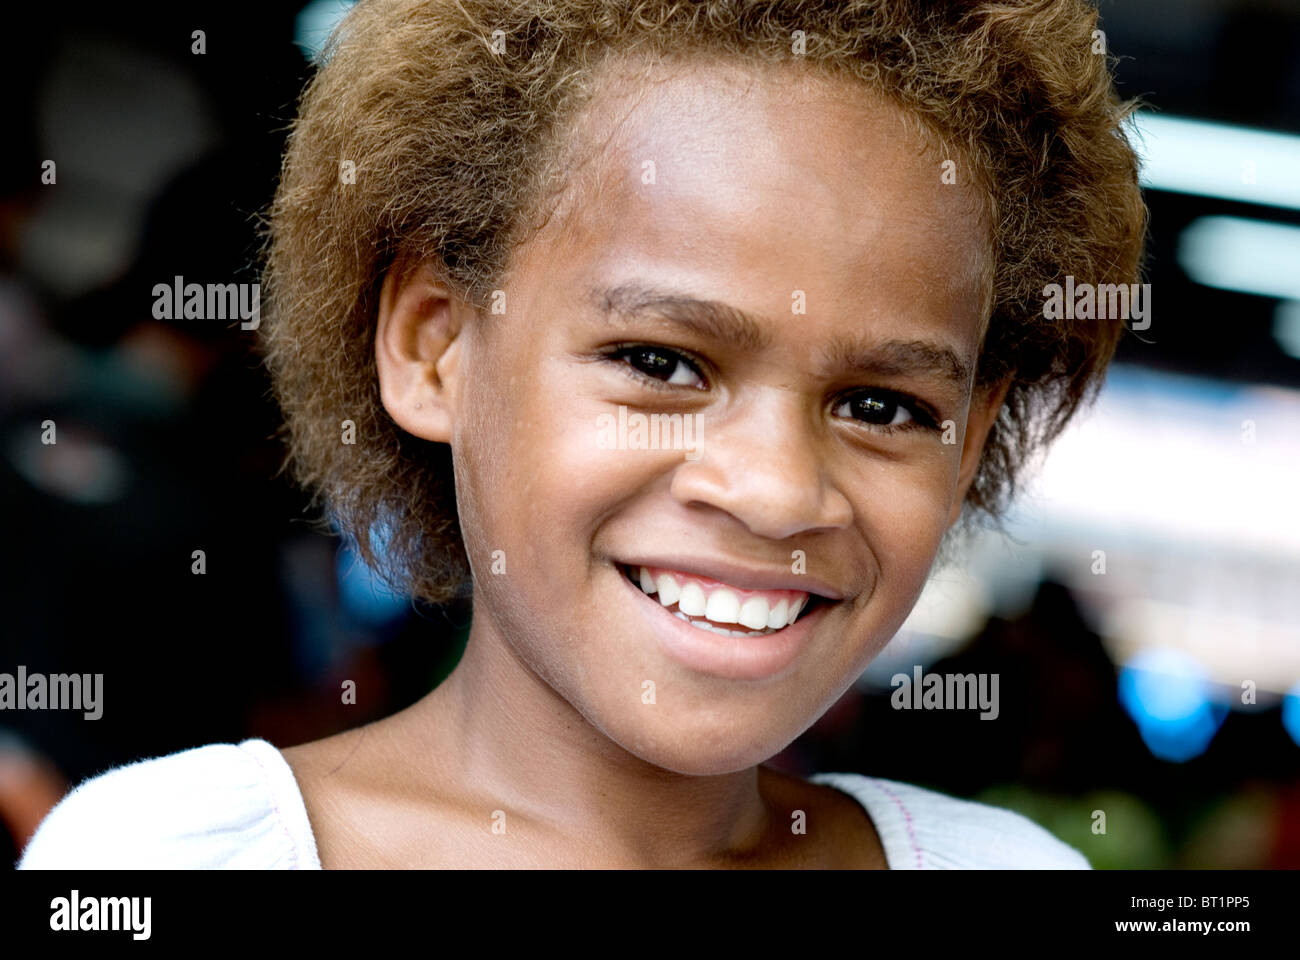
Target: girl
{"points": [[683, 332]]}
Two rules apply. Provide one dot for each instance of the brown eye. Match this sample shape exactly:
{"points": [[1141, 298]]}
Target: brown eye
{"points": [[666, 366], [879, 408], [874, 409]]}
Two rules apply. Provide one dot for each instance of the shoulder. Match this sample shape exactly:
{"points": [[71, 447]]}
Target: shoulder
{"points": [[221, 805], [925, 829]]}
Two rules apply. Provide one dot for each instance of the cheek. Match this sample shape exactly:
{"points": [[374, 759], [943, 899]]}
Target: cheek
{"points": [[531, 476], [904, 510]]}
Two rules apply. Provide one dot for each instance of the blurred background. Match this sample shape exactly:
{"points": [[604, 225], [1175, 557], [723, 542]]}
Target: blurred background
{"points": [[1143, 617]]}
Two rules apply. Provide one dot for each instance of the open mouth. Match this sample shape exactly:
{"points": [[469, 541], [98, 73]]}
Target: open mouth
{"points": [[719, 608]]}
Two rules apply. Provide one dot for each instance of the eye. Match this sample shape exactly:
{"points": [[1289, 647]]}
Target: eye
{"points": [[881, 408], [659, 363]]}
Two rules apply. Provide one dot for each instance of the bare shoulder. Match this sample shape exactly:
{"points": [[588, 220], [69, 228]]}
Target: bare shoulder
{"points": [[335, 777], [371, 803], [318, 759], [841, 833]]}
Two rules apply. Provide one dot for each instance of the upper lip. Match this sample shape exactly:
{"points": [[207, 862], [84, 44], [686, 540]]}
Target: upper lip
{"points": [[740, 575]]}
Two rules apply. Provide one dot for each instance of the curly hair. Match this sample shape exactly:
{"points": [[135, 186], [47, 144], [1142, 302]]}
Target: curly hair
{"points": [[456, 146]]}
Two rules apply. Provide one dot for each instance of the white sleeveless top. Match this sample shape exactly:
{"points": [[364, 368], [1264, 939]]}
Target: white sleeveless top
{"points": [[238, 806]]}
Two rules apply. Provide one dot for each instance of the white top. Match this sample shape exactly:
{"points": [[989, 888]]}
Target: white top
{"points": [[238, 806]]}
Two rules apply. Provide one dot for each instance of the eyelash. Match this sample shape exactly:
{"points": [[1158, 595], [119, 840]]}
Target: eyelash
{"points": [[619, 352], [922, 417]]}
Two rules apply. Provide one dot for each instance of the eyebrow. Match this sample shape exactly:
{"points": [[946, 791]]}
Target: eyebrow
{"points": [[707, 318], [715, 320]]}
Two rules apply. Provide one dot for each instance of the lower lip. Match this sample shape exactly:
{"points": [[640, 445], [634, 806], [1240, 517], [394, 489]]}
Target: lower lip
{"points": [[732, 658]]}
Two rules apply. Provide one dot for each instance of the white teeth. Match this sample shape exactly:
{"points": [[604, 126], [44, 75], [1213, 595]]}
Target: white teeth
{"points": [[726, 633], [776, 617], [720, 605], [705, 625], [691, 602], [723, 607], [753, 613]]}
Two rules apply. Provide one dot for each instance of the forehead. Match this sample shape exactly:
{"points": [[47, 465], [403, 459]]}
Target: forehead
{"points": [[754, 181]]}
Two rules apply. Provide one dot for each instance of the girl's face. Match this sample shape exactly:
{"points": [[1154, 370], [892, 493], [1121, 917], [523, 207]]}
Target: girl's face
{"points": [[784, 270]]}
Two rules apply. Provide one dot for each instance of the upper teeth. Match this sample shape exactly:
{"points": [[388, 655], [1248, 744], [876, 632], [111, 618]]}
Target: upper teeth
{"points": [[769, 610]]}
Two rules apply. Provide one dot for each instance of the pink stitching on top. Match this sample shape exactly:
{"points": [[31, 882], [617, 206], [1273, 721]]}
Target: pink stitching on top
{"points": [[907, 817], [266, 776]]}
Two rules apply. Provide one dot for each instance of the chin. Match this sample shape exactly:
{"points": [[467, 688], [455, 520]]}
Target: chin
{"points": [[714, 747]]}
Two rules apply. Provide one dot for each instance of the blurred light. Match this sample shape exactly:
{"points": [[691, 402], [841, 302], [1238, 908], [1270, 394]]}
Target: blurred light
{"points": [[1249, 256], [1179, 461], [78, 467], [1225, 619], [363, 594], [1165, 692], [1168, 685], [1218, 160], [315, 22], [954, 606], [1291, 713], [1169, 511], [1286, 327]]}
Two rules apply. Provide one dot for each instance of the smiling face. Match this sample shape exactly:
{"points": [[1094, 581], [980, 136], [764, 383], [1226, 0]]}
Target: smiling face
{"points": [[781, 265]]}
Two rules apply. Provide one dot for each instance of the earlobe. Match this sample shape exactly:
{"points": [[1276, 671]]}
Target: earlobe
{"points": [[985, 408], [417, 351]]}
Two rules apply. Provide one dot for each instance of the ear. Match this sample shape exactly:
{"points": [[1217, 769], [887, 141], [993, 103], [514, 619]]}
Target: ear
{"points": [[418, 345], [986, 404]]}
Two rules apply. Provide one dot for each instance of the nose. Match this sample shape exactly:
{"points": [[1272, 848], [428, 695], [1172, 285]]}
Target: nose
{"points": [[762, 465]]}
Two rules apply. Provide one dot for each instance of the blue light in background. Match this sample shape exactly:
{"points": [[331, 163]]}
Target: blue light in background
{"points": [[315, 22], [1286, 327], [1220, 160], [1166, 694], [1291, 713], [362, 594], [1247, 256]]}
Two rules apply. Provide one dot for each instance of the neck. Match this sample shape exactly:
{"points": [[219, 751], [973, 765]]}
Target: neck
{"points": [[505, 740]]}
